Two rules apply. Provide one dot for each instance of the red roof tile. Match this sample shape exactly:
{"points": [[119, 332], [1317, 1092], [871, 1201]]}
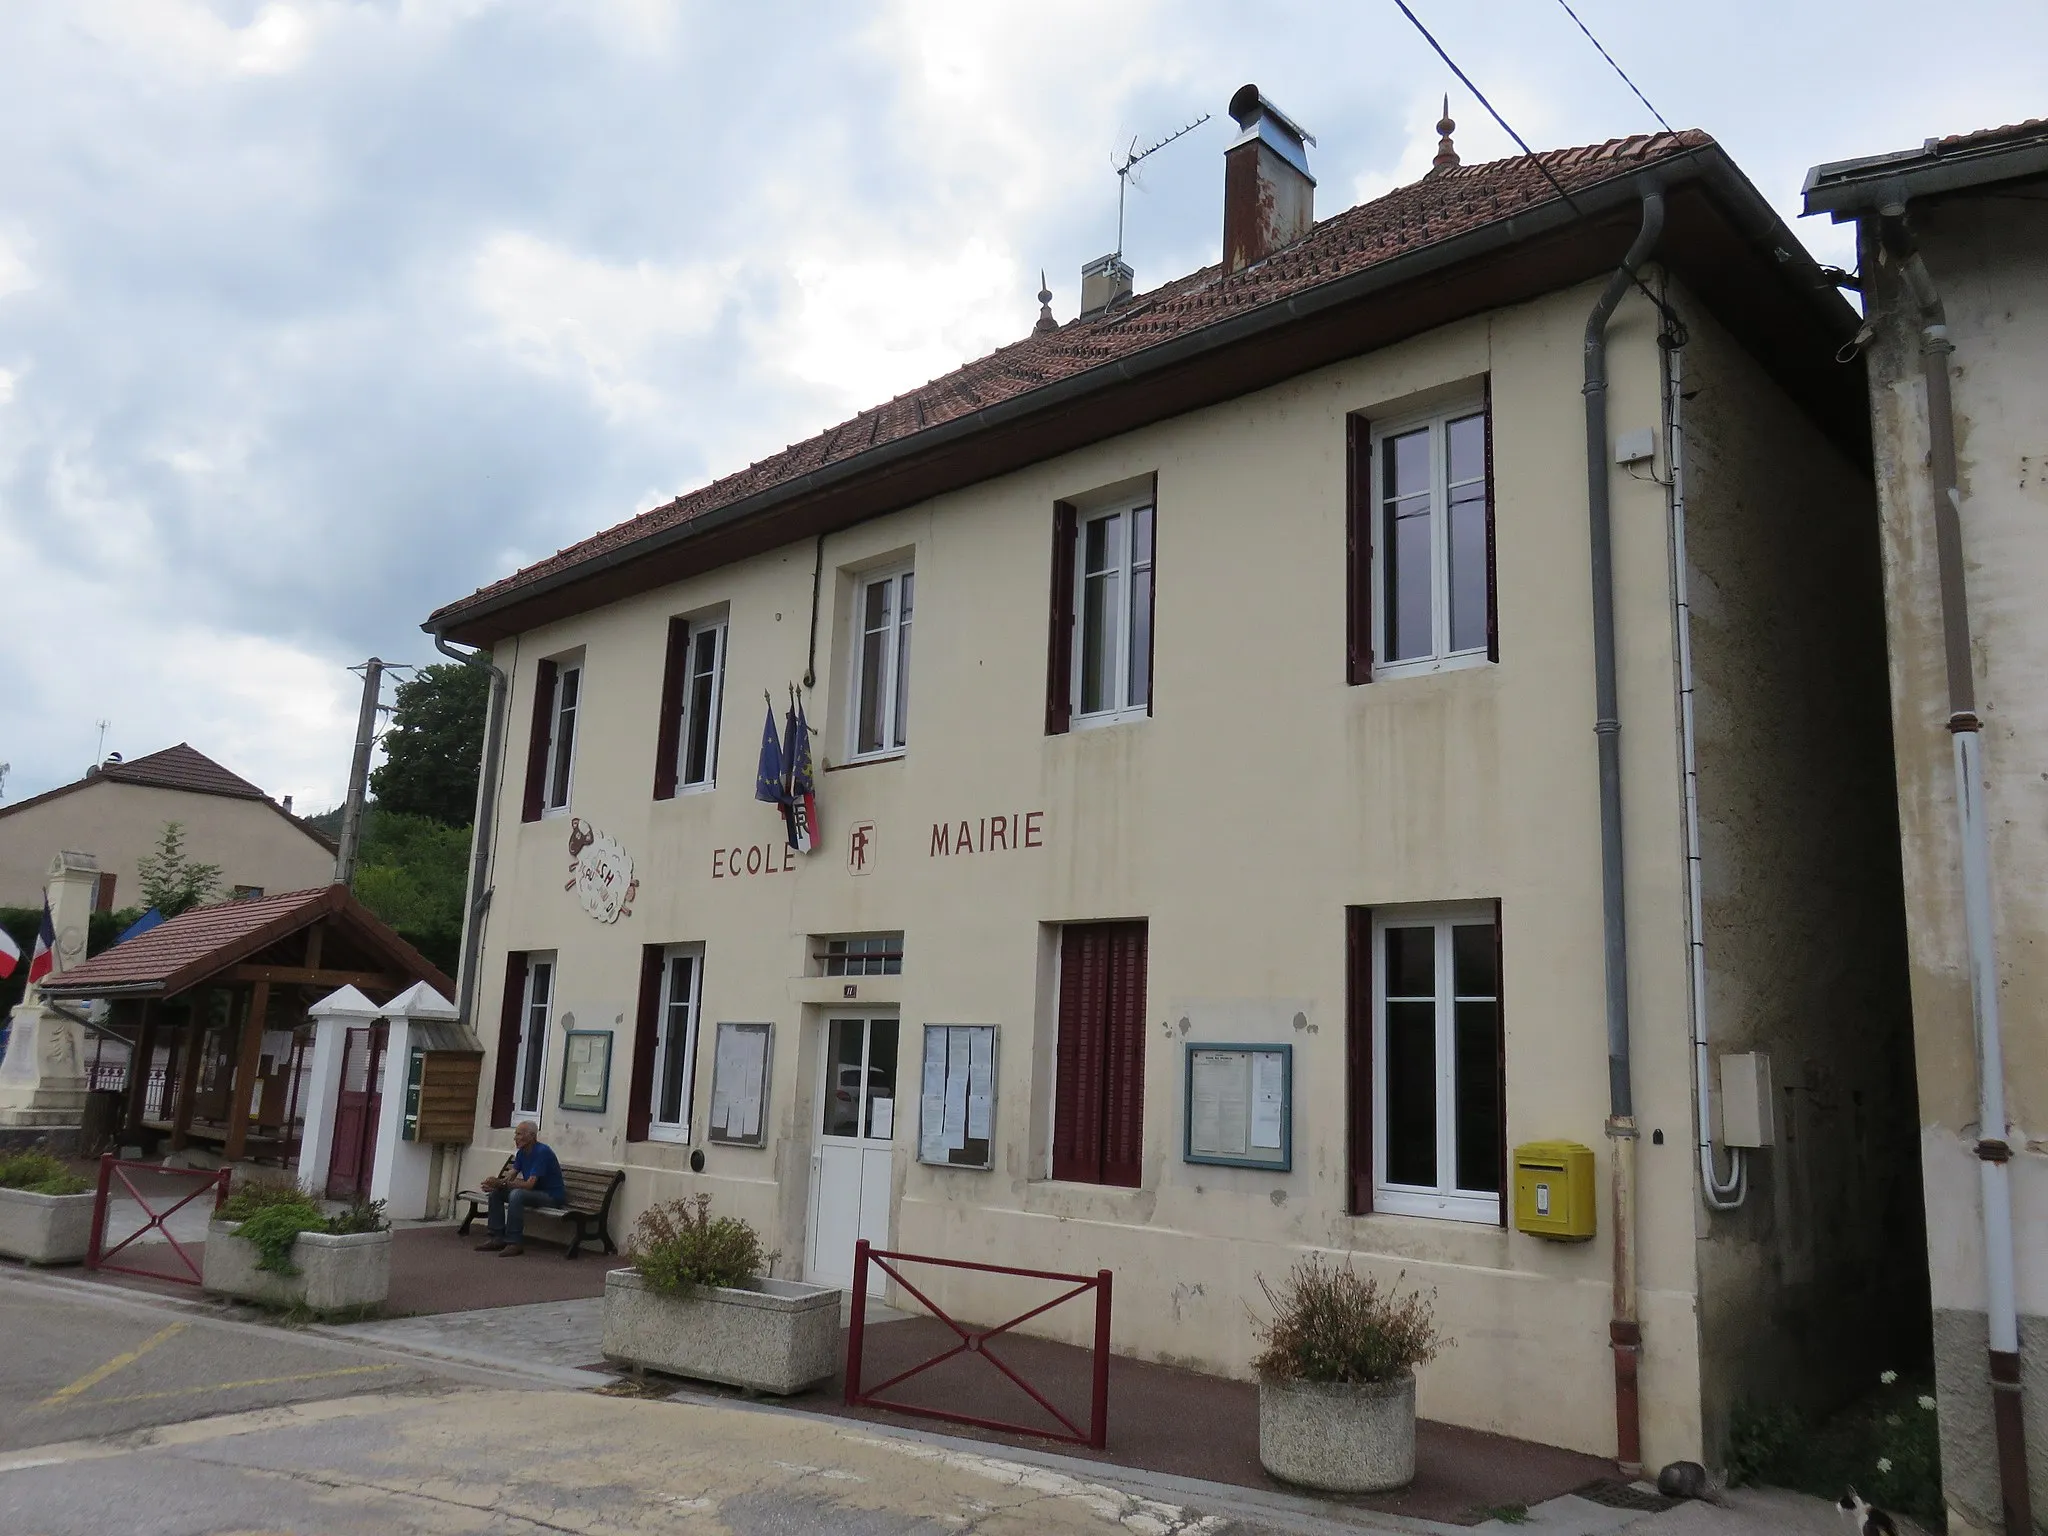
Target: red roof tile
{"points": [[182, 767], [1440, 207]]}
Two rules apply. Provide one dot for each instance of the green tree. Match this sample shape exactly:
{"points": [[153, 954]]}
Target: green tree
{"points": [[432, 751], [171, 882], [412, 872]]}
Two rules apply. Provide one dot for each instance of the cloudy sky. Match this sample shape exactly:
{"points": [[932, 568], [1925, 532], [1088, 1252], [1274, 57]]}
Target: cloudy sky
{"points": [[314, 315]]}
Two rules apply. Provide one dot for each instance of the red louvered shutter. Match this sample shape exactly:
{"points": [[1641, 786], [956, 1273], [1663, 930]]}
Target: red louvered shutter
{"points": [[505, 1074], [668, 737], [1078, 1075], [1152, 607], [1059, 648], [1123, 1128], [537, 741], [1500, 1048], [1358, 550], [1358, 1057], [646, 1028], [1492, 586]]}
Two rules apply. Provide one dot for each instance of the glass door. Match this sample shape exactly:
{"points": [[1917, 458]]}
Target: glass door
{"points": [[852, 1168]]}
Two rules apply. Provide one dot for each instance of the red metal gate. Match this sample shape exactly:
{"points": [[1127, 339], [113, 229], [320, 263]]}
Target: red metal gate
{"points": [[974, 1341], [355, 1114], [97, 1253]]}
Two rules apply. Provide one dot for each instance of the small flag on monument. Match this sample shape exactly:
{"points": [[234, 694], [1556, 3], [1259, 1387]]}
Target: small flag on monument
{"points": [[44, 959]]}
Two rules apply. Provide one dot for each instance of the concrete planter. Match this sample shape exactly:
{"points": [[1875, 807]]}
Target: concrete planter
{"points": [[45, 1229], [336, 1273], [779, 1337], [1339, 1437]]}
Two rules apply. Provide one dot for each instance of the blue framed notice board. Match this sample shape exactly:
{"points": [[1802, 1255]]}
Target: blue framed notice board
{"points": [[1238, 1108]]}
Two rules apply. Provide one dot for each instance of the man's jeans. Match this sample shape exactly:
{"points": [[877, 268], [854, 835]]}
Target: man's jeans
{"points": [[507, 1220]]}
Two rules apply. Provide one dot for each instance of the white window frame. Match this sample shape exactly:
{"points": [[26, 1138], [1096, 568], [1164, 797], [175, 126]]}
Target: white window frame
{"points": [[715, 709], [1441, 657], [549, 806], [895, 683], [1123, 621], [657, 1128], [1445, 1201], [534, 1015]]}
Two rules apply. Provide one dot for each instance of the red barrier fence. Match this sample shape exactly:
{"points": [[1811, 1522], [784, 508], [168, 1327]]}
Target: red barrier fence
{"points": [[974, 1341], [111, 1167]]}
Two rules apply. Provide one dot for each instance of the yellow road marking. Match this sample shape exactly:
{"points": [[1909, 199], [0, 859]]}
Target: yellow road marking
{"points": [[93, 1378], [230, 1386]]}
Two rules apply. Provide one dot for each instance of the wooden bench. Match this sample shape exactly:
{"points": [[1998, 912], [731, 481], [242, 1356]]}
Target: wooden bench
{"points": [[590, 1193]]}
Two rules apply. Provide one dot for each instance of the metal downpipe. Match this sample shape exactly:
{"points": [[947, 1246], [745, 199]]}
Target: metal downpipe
{"points": [[1625, 1330], [477, 894], [2001, 1303]]}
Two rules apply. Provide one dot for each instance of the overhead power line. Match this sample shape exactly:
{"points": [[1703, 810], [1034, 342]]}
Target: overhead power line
{"points": [[1616, 67]]}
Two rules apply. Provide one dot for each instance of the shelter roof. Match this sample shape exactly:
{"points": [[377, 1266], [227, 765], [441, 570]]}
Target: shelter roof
{"points": [[199, 945]]}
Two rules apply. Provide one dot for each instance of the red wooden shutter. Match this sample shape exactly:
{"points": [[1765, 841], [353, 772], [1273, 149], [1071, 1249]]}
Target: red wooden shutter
{"points": [[1078, 1072], [1123, 1119], [1492, 586], [537, 741], [668, 737], [646, 1028], [1358, 550], [505, 1075], [1358, 1057], [1059, 648], [1500, 1050], [103, 892]]}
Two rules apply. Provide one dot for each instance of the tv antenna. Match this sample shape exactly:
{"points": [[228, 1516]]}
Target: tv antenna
{"points": [[99, 752], [1131, 157]]}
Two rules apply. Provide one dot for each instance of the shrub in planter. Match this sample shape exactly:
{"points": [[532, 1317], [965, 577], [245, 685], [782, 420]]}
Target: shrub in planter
{"points": [[1337, 1378], [288, 1252], [45, 1209], [695, 1303]]}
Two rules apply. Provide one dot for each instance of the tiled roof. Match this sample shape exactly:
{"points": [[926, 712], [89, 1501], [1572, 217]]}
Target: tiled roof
{"points": [[1961, 161], [1973, 139], [1441, 206], [183, 767], [188, 948]]}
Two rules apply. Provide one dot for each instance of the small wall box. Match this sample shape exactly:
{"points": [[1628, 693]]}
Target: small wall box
{"points": [[1554, 1190]]}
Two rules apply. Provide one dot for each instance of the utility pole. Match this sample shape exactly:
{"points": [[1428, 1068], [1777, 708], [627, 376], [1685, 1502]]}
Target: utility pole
{"points": [[359, 774]]}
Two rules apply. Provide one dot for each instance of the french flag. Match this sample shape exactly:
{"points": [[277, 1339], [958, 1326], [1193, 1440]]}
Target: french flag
{"points": [[10, 954], [45, 957]]}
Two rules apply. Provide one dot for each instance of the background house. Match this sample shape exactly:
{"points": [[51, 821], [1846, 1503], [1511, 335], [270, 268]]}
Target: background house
{"points": [[1951, 237], [117, 813]]}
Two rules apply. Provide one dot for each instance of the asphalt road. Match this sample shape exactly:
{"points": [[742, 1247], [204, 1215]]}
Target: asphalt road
{"points": [[123, 1418]]}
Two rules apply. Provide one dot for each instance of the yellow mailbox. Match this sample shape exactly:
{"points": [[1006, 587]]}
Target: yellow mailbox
{"points": [[1554, 1190]]}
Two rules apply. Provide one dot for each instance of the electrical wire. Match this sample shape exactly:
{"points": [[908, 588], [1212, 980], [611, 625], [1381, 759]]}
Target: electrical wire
{"points": [[1616, 67]]}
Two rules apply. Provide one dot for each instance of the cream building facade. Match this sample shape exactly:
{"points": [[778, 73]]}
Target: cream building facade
{"points": [[118, 811], [1951, 236], [1217, 671]]}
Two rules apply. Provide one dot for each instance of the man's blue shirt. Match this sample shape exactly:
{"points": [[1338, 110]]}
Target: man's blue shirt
{"points": [[539, 1163]]}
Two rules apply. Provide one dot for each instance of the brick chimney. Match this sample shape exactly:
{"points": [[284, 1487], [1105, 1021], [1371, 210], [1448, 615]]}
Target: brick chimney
{"points": [[1269, 198]]}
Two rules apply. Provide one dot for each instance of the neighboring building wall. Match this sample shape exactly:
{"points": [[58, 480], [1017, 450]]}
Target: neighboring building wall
{"points": [[1262, 798], [1985, 257], [1818, 1272], [121, 823]]}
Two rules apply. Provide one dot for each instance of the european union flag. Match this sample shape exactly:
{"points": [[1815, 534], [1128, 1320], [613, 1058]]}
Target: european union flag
{"points": [[768, 777]]}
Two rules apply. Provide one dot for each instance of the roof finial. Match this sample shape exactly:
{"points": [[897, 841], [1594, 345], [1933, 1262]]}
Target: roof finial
{"points": [[1045, 319], [1446, 151]]}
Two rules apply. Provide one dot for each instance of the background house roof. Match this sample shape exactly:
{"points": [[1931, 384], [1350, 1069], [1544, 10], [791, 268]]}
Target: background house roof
{"points": [[179, 954], [183, 767], [1433, 212]]}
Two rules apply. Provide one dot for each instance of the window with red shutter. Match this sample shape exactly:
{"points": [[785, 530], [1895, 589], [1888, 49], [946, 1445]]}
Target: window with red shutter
{"points": [[1099, 1069], [505, 1076], [1059, 649], [1358, 1089], [537, 741], [646, 1027]]}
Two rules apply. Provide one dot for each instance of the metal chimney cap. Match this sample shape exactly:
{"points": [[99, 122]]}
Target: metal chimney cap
{"points": [[1259, 118]]}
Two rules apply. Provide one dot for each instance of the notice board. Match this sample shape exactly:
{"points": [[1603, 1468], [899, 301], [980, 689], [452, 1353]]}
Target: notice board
{"points": [[739, 1084], [1239, 1106], [957, 1100]]}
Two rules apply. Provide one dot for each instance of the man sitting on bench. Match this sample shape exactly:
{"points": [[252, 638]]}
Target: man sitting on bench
{"points": [[532, 1177]]}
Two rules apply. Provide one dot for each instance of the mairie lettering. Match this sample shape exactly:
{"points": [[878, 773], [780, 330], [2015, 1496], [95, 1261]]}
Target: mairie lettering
{"points": [[988, 834]]}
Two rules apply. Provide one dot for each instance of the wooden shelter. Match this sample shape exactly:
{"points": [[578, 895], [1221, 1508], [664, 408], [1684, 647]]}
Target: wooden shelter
{"points": [[215, 984]]}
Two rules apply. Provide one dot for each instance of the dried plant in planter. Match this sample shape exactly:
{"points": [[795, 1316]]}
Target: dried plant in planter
{"points": [[679, 1245], [38, 1173], [1332, 1324]]}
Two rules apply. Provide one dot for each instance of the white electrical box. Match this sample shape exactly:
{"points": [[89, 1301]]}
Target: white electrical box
{"points": [[1634, 447], [1746, 1113]]}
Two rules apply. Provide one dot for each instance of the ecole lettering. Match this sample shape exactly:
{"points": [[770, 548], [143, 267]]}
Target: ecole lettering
{"points": [[759, 859]]}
